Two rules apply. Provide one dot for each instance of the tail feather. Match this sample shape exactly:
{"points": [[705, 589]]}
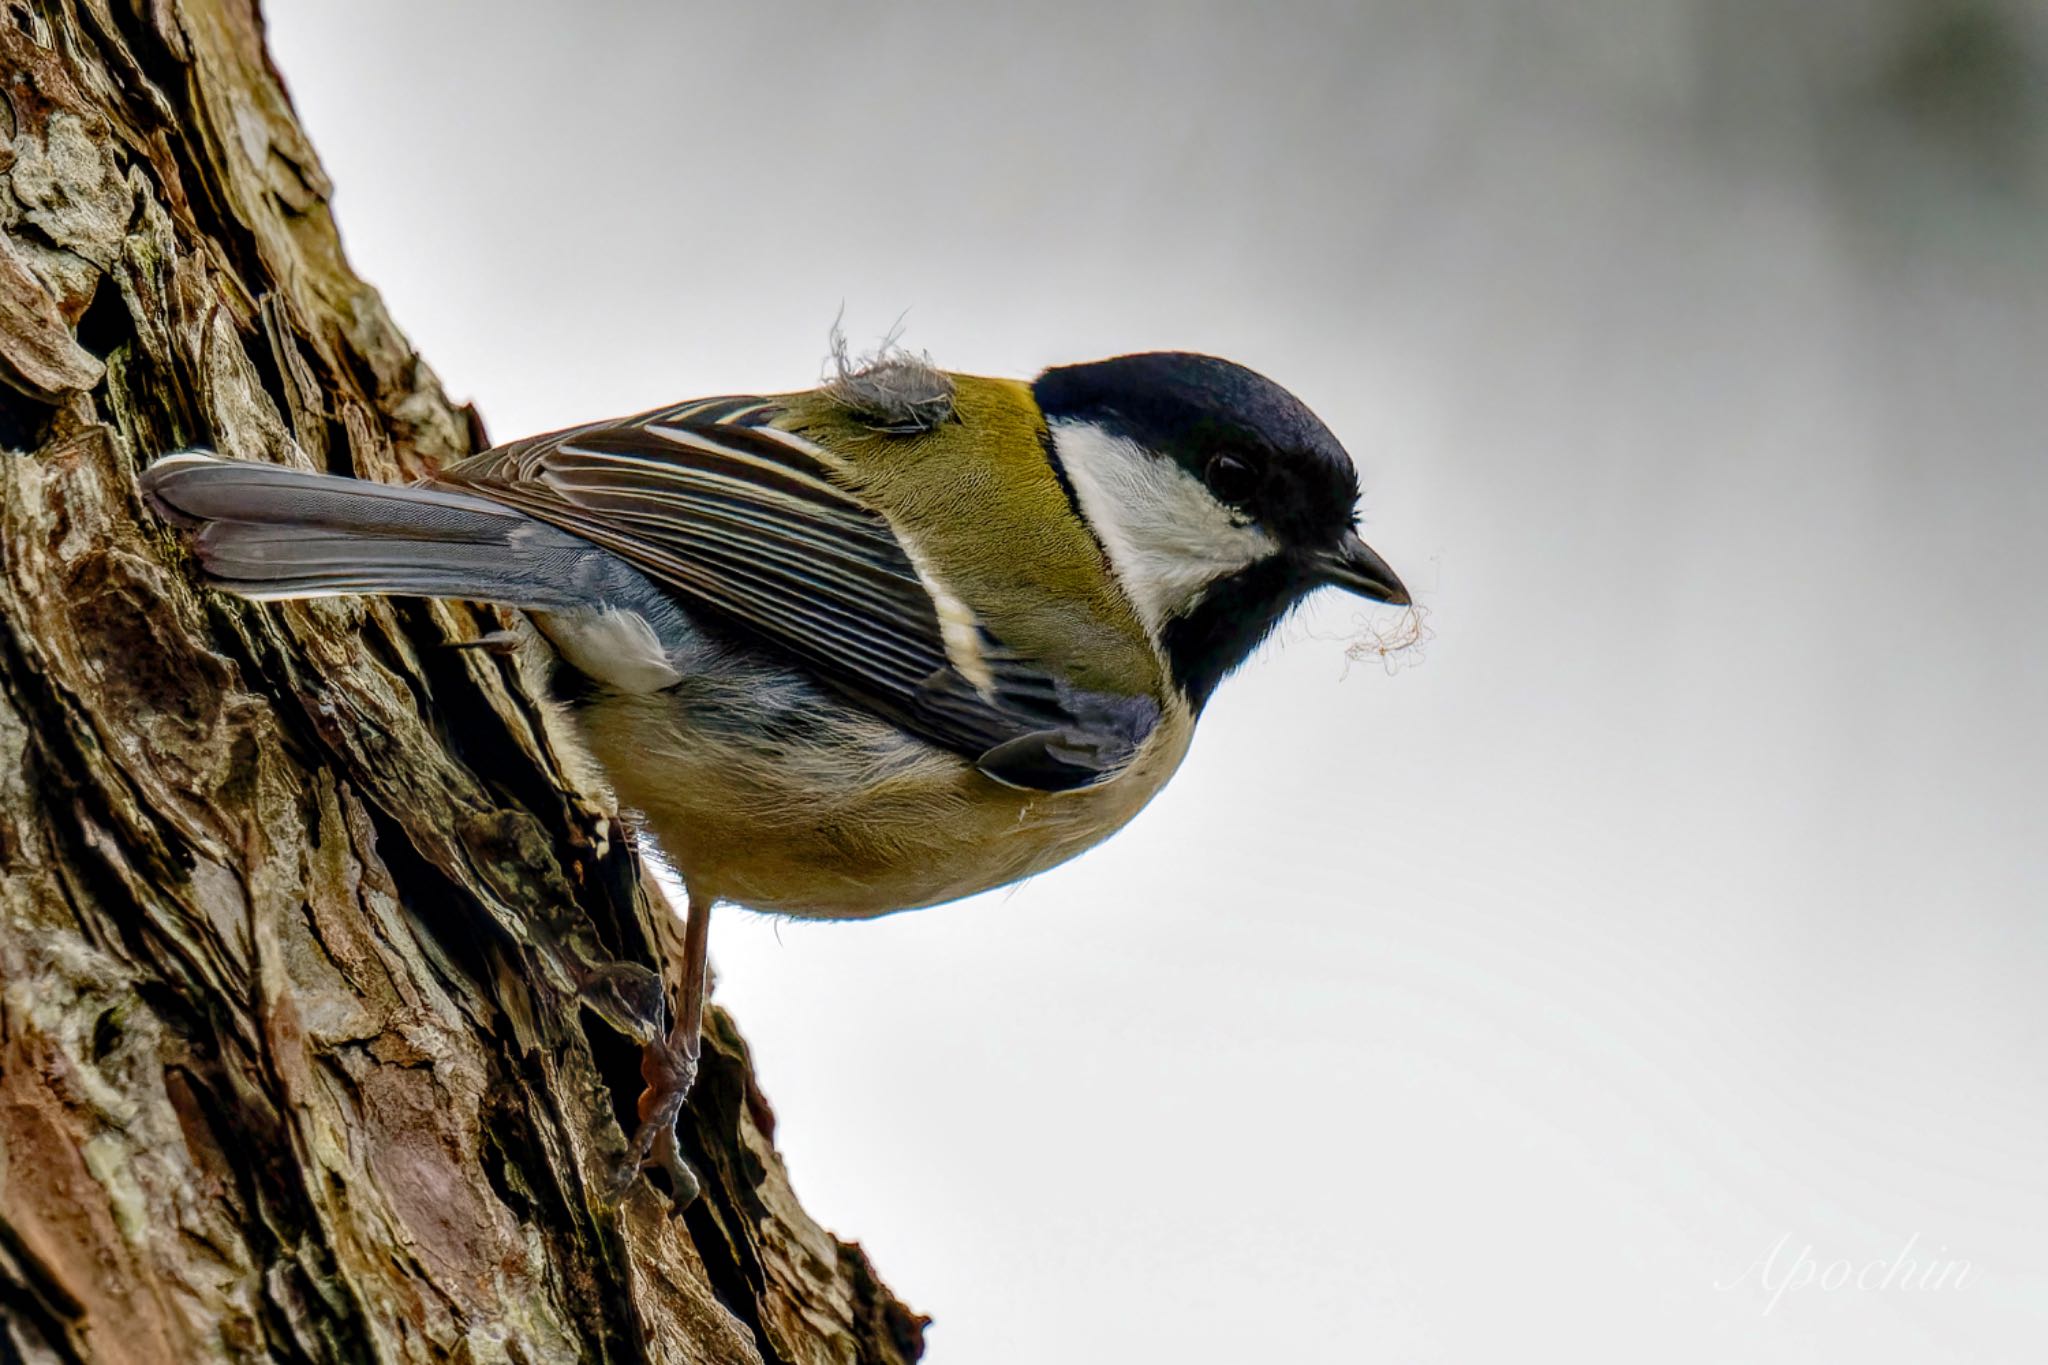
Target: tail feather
{"points": [[196, 487], [268, 532]]}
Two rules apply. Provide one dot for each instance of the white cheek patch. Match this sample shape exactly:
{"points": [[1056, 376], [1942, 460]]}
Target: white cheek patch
{"points": [[1166, 536]]}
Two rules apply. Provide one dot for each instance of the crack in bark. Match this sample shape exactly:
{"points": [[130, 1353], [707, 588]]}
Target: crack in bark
{"points": [[309, 946]]}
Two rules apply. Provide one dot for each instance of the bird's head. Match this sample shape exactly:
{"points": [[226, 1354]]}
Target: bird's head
{"points": [[1219, 498]]}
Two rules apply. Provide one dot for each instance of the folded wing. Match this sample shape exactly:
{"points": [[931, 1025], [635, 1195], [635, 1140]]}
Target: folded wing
{"points": [[748, 523]]}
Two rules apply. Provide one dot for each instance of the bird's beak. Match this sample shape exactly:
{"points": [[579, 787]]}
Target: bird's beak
{"points": [[1355, 568]]}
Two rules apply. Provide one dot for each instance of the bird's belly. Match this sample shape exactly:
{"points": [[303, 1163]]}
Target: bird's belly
{"points": [[832, 813]]}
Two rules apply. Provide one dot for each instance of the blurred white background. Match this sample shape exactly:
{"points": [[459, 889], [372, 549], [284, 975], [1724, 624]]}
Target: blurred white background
{"points": [[1688, 894]]}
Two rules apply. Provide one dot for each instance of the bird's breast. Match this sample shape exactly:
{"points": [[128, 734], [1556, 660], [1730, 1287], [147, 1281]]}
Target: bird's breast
{"points": [[785, 799]]}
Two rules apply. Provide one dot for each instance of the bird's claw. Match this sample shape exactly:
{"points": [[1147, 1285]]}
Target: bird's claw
{"points": [[670, 1071]]}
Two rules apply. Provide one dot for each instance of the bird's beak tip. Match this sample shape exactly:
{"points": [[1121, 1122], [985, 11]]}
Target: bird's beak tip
{"points": [[1355, 567]]}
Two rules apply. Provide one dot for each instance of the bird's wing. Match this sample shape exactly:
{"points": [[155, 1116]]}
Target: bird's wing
{"points": [[749, 523]]}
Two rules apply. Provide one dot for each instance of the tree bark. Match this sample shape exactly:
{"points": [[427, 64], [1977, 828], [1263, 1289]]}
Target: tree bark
{"points": [[311, 1047]]}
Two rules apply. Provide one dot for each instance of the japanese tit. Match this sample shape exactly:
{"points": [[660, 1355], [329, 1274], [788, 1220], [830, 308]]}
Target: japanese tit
{"points": [[881, 644]]}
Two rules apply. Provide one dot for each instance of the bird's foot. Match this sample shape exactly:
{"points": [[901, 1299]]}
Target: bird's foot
{"points": [[669, 1066]]}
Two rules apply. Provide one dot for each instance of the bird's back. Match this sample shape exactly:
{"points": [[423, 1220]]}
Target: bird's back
{"points": [[979, 496]]}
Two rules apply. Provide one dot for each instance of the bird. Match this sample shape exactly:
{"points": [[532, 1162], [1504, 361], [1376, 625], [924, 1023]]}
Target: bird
{"points": [[880, 644]]}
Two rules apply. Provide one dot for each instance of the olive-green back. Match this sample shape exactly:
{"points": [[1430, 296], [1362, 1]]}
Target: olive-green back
{"points": [[978, 495]]}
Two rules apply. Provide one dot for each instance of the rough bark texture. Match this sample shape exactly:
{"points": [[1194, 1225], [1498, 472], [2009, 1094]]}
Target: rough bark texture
{"points": [[304, 1049]]}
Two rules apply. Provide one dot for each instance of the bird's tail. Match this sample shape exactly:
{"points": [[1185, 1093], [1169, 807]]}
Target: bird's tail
{"points": [[269, 533]]}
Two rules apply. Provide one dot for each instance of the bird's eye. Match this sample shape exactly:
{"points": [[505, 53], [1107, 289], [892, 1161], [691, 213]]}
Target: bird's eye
{"points": [[1232, 479]]}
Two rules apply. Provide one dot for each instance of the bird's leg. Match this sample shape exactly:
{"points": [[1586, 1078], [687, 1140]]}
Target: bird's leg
{"points": [[669, 1065]]}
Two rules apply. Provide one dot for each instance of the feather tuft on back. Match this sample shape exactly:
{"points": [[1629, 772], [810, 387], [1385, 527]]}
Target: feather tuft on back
{"points": [[890, 389]]}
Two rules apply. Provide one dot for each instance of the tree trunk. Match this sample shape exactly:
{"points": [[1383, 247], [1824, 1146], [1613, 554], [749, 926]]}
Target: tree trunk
{"points": [[311, 1042]]}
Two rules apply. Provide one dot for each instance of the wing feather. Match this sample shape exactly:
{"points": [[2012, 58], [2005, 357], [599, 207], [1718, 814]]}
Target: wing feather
{"points": [[752, 524]]}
